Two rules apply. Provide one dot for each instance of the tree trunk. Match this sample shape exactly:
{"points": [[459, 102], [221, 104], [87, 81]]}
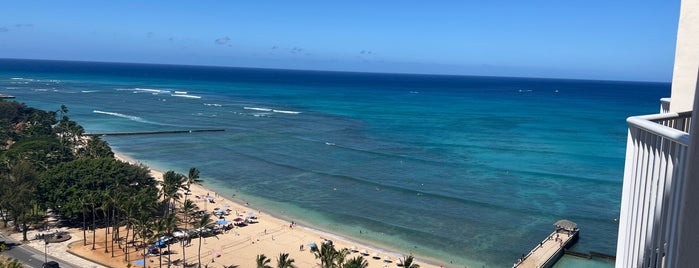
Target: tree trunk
{"points": [[94, 226], [84, 227], [199, 250], [126, 239], [4, 218], [106, 230], [115, 233], [144, 252], [24, 231], [168, 255], [184, 245]]}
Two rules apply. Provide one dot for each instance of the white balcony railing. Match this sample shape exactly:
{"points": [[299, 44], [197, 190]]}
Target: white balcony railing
{"points": [[664, 105], [656, 156]]}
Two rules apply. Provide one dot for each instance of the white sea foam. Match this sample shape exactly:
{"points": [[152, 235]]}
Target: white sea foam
{"points": [[271, 110], [150, 90], [153, 91], [181, 92], [16, 78], [88, 91], [131, 117], [186, 96], [258, 109], [285, 112], [213, 104]]}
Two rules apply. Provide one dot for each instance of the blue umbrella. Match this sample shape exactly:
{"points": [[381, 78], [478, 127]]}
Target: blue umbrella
{"points": [[222, 221], [312, 245], [140, 262], [159, 243]]}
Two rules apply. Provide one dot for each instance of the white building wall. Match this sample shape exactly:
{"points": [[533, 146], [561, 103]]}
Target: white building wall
{"points": [[684, 76]]}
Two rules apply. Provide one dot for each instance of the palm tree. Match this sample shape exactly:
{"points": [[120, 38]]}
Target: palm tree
{"points": [[170, 186], [356, 262], [193, 177], [408, 262], [328, 255], [263, 261], [143, 226], [187, 207], [158, 230], [202, 223], [339, 258], [283, 261], [170, 223]]}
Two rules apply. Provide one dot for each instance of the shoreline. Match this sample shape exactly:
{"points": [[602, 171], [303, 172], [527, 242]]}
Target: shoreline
{"points": [[318, 234]]}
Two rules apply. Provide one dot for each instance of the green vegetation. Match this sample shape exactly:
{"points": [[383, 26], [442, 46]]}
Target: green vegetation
{"points": [[48, 163], [408, 262], [10, 263]]}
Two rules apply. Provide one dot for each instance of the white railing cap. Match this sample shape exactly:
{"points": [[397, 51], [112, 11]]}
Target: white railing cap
{"points": [[646, 123]]}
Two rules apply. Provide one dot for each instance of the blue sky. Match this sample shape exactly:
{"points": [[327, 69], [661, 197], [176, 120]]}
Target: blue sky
{"points": [[593, 39]]}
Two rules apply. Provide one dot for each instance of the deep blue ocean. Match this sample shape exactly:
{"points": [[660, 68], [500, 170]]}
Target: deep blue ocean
{"points": [[463, 169]]}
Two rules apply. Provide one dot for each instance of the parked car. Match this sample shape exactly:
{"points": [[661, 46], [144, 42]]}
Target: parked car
{"points": [[51, 264]]}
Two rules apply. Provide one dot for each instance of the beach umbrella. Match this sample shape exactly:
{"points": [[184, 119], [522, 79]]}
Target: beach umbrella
{"points": [[140, 262], [250, 213], [226, 206], [159, 243], [222, 221], [216, 208], [238, 220], [313, 245]]}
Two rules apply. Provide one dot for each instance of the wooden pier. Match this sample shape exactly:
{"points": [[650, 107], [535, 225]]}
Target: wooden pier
{"points": [[547, 252], [153, 132]]}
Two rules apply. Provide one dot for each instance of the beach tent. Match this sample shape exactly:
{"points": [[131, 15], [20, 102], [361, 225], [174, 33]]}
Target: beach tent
{"points": [[566, 225], [313, 246], [179, 234]]}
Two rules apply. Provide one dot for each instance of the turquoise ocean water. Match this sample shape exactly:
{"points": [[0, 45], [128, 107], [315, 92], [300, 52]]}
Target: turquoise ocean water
{"points": [[467, 170]]}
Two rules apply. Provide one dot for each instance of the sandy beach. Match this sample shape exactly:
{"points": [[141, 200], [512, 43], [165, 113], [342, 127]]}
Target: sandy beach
{"points": [[240, 245]]}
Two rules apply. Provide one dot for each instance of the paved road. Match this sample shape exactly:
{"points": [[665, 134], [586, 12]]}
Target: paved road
{"points": [[28, 255]]}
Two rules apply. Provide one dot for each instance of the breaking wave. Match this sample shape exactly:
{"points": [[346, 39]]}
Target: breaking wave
{"points": [[271, 110]]}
